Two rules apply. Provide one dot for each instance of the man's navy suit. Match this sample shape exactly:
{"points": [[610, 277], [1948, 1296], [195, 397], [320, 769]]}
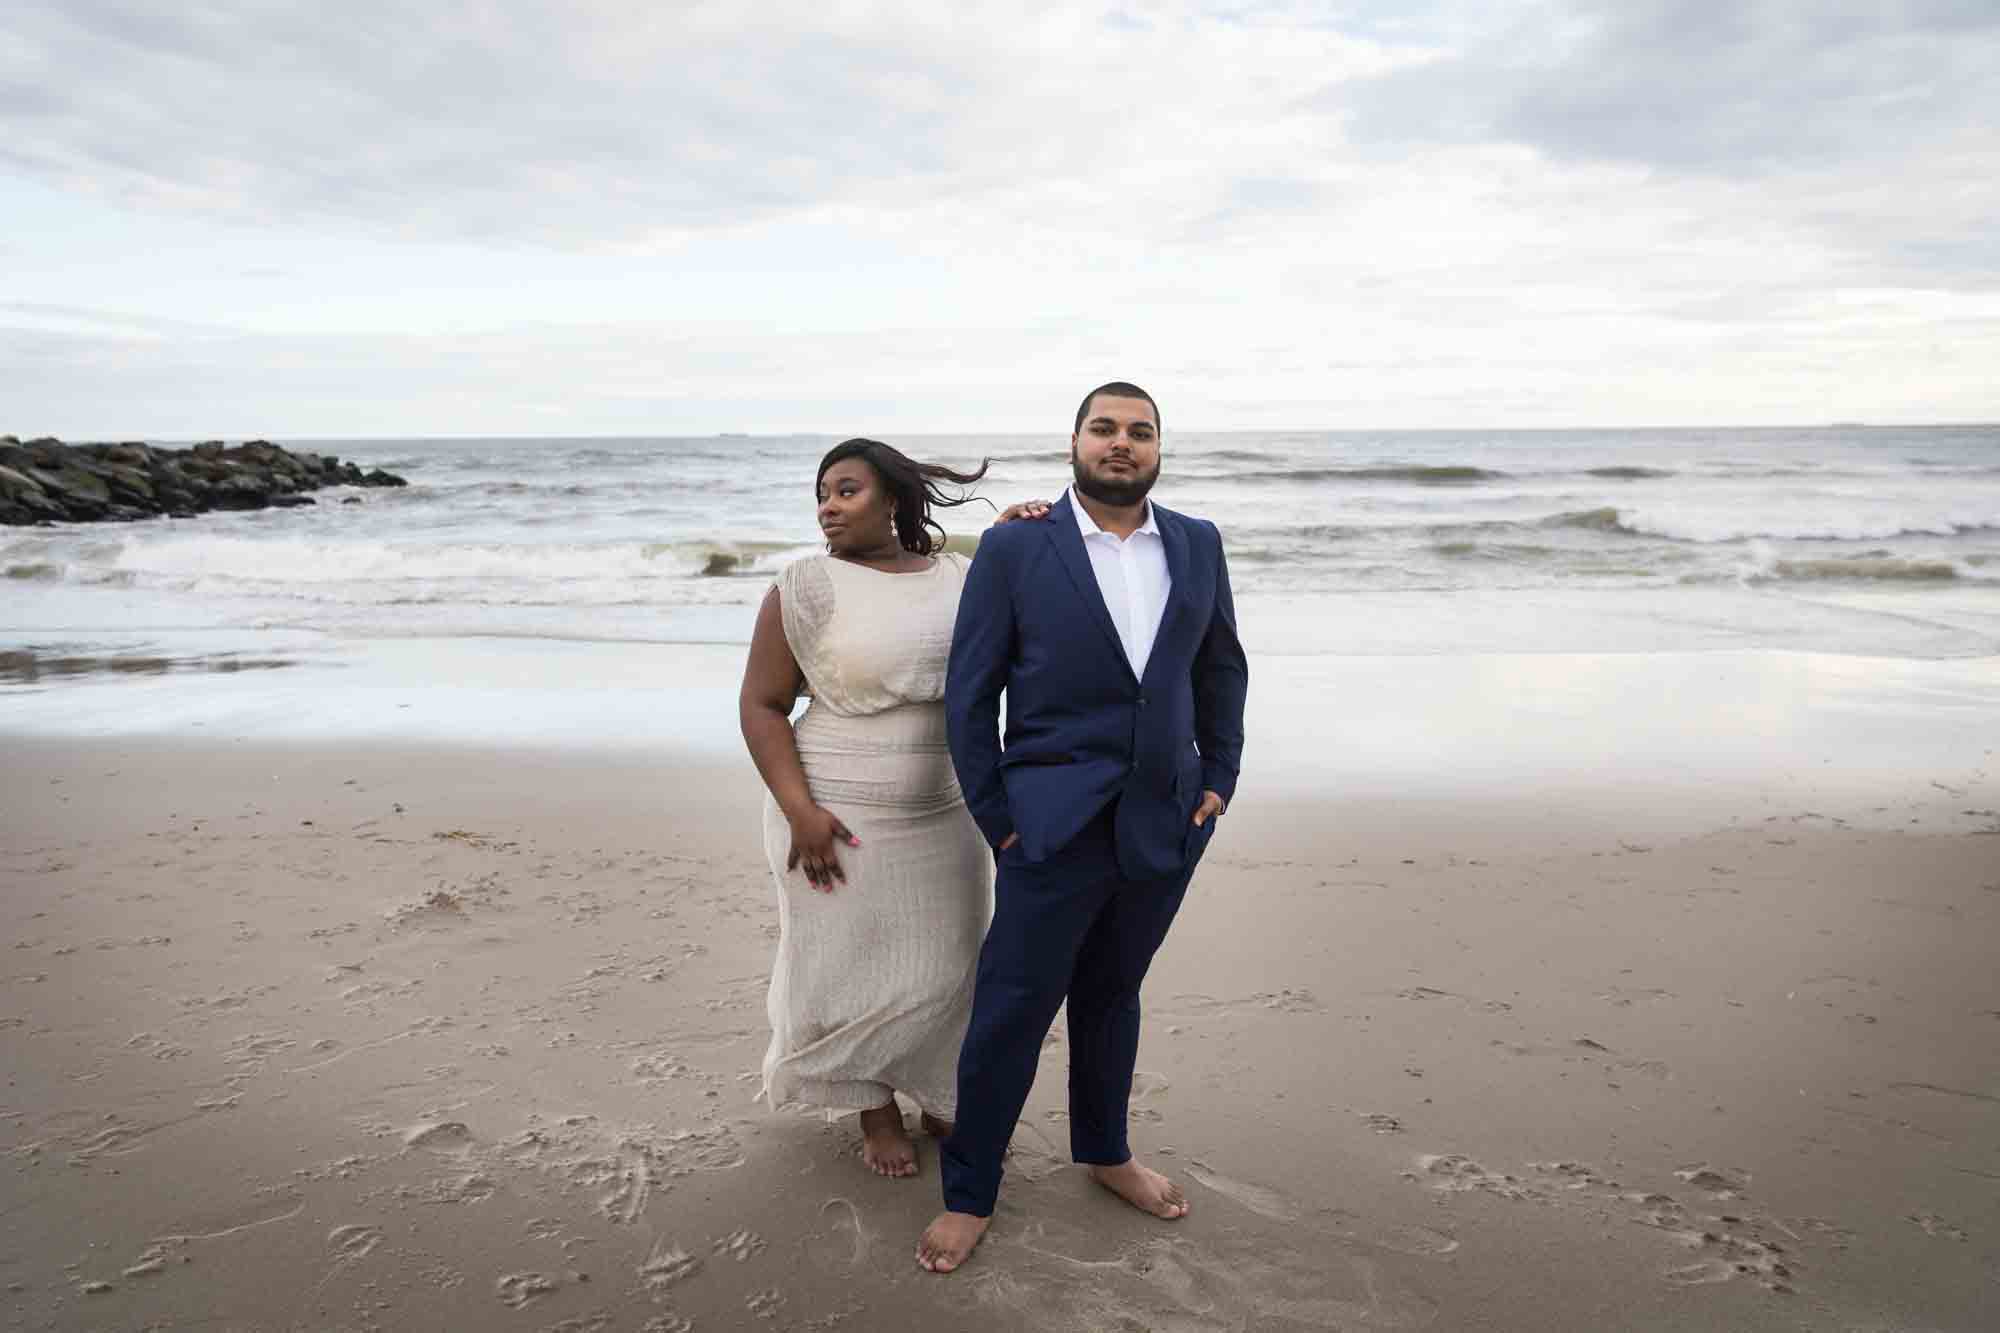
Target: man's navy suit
{"points": [[1100, 774]]}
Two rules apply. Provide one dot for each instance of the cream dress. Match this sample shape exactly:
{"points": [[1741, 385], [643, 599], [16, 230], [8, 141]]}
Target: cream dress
{"points": [[872, 987]]}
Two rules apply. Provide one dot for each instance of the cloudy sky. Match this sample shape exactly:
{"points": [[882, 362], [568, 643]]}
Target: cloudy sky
{"points": [[597, 217]]}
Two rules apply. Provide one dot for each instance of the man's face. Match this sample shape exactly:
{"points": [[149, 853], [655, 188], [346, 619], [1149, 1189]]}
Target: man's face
{"points": [[1116, 456]]}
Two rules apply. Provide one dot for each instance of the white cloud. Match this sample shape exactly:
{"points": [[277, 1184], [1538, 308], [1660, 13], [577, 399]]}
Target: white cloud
{"points": [[382, 218]]}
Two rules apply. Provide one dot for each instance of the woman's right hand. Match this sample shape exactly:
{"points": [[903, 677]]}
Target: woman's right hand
{"points": [[1014, 513], [813, 836]]}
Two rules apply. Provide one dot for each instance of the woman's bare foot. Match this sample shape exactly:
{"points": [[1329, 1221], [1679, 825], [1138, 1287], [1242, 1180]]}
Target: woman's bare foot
{"points": [[936, 1128], [949, 1241], [1143, 1188], [885, 1144]]}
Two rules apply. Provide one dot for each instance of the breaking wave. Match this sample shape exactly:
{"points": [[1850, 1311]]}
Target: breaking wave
{"points": [[238, 560], [1893, 569], [1441, 475], [1713, 528]]}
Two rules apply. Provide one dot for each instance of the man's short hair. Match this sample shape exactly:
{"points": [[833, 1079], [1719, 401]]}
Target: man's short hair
{"points": [[1117, 389]]}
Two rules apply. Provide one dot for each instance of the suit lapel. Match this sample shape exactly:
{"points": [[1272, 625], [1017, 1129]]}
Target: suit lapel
{"points": [[1174, 542], [1068, 541], [1173, 536]]}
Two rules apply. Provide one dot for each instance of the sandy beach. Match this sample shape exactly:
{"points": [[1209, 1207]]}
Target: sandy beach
{"points": [[326, 1037]]}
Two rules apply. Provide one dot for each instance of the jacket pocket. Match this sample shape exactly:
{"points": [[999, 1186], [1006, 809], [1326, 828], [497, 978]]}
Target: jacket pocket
{"points": [[1016, 759]]}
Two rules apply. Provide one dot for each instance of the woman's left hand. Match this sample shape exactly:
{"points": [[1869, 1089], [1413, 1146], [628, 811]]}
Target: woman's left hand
{"points": [[1025, 509]]}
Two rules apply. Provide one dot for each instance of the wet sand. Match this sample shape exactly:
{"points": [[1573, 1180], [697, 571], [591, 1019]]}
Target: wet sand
{"points": [[331, 1037]]}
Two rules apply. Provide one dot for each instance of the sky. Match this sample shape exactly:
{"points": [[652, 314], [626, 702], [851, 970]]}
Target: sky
{"points": [[590, 218]]}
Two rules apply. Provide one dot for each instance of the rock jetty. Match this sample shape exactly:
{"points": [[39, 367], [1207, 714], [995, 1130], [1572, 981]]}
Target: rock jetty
{"points": [[47, 481]]}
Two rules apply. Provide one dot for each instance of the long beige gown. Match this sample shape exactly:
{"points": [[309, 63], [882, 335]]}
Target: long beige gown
{"points": [[872, 987]]}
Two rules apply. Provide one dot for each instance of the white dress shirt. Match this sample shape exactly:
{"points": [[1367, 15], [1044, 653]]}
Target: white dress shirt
{"points": [[1132, 577]]}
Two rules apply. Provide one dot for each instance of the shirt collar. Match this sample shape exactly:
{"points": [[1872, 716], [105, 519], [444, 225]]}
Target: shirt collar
{"points": [[1088, 525]]}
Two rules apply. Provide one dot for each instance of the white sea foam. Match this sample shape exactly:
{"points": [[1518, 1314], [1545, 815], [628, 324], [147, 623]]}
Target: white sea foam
{"points": [[206, 561], [1853, 520]]}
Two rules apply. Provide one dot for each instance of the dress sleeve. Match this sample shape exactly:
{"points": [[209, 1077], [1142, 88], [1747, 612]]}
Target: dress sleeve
{"points": [[805, 598]]}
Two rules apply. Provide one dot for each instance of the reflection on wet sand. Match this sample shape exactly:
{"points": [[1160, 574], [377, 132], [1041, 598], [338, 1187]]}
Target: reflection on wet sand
{"points": [[30, 666]]}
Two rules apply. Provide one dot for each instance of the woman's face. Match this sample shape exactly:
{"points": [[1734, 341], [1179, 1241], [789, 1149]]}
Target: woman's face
{"points": [[856, 511]]}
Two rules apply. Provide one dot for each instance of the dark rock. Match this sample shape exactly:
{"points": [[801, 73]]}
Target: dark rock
{"points": [[127, 483], [128, 455], [24, 501], [45, 480], [241, 489]]}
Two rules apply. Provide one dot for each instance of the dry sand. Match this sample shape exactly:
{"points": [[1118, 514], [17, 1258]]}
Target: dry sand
{"points": [[323, 1039]]}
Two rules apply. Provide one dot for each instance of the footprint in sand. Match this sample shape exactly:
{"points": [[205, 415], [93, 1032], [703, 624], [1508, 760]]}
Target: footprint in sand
{"points": [[1719, 1182], [1728, 1255], [351, 1243], [1033, 1156], [1279, 1207], [517, 1289], [1289, 1000], [766, 1304], [738, 1245], [843, 1240], [151, 1263], [668, 1323], [1705, 1273], [1422, 1242], [1433, 993], [1933, 1225], [667, 1266], [1182, 1284], [1259, 1199], [448, 1136], [595, 1322], [1148, 1089], [1451, 1173]]}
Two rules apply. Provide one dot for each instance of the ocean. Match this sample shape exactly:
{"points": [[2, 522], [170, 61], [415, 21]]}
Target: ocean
{"points": [[1871, 541]]}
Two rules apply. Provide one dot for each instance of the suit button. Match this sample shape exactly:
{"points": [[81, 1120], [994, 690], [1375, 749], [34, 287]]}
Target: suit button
{"points": [[1142, 701]]}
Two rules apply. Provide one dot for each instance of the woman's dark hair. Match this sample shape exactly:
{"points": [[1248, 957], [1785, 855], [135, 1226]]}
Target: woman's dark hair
{"points": [[917, 488]]}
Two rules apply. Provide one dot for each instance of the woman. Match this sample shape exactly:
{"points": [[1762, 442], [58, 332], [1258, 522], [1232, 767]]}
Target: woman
{"points": [[884, 882]]}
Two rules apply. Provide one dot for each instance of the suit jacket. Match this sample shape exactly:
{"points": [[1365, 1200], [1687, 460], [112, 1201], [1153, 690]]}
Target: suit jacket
{"points": [[1081, 727]]}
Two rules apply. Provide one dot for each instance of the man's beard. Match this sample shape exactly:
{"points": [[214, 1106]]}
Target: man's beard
{"points": [[1108, 491]]}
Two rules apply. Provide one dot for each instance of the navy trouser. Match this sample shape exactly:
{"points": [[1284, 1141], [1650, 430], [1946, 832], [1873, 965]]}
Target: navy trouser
{"points": [[1070, 928]]}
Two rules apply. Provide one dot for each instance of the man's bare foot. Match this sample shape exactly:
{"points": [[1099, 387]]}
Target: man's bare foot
{"points": [[885, 1144], [949, 1241], [1143, 1188], [936, 1128]]}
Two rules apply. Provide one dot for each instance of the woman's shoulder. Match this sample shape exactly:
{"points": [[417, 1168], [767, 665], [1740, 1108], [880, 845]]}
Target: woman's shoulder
{"points": [[810, 566], [805, 587]]}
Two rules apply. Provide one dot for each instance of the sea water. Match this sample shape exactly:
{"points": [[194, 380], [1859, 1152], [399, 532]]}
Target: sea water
{"points": [[1880, 542]]}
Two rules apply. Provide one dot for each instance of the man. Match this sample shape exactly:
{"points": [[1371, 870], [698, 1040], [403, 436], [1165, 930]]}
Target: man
{"points": [[1110, 629]]}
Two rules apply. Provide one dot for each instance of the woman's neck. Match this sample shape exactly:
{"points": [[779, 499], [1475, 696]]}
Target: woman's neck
{"points": [[886, 557]]}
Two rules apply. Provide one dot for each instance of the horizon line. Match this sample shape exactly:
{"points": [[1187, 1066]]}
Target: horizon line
{"points": [[275, 438]]}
